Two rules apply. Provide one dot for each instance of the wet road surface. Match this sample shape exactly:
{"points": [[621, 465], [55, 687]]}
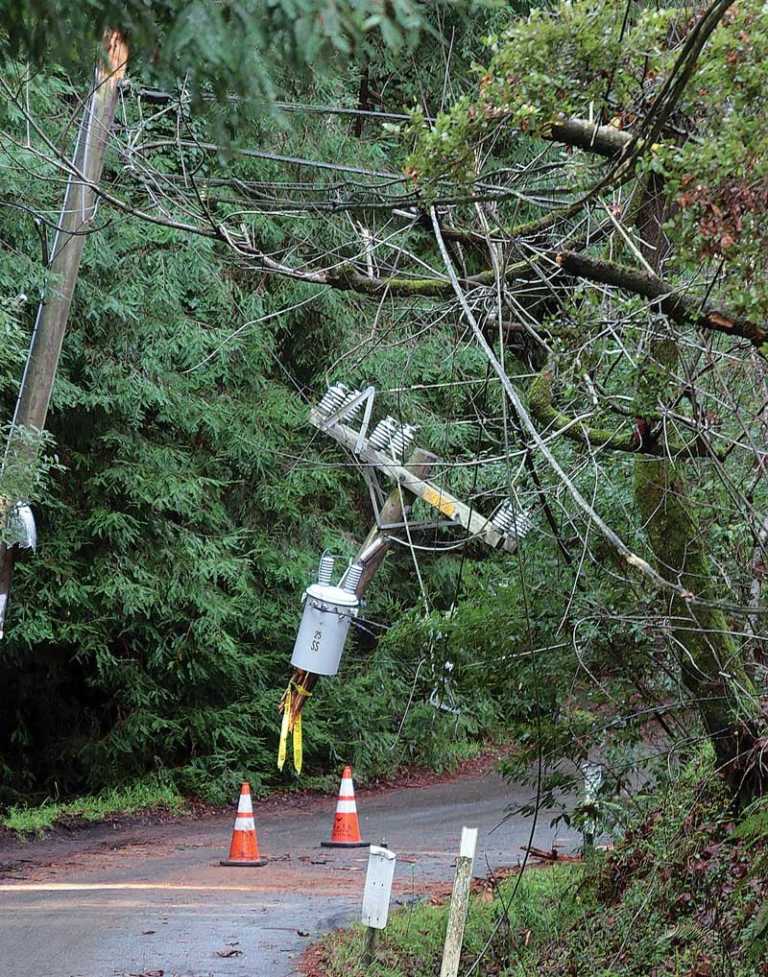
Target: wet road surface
{"points": [[154, 899]]}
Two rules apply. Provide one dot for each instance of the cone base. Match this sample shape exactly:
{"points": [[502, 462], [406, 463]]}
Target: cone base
{"points": [[344, 844], [243, 863]]}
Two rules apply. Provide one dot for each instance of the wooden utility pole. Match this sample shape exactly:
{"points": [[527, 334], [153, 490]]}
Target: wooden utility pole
{"points": [[445, 503], [457, 913], [379, 541], [63, 267]]}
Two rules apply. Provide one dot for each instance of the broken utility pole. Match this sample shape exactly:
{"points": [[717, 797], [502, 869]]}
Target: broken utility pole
{"points": [[72, 230], [370, 556], [382, 452]]}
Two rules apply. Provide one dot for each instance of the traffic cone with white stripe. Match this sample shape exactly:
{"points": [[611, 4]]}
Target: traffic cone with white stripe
{"points": [[346, 828], [244, 850]]}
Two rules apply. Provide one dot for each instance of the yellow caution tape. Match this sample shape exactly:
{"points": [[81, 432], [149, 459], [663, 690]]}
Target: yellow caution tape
{"points": [[285, 729], [281, 750], [298, 754]]}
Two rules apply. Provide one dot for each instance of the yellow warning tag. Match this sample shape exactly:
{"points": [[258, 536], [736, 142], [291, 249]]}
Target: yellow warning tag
{"points": [[282, 748], [298, 753], [436, 499]]}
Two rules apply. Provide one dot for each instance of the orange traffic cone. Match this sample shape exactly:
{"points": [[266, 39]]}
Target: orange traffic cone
{"points": [[244, 849], [346, 828]]}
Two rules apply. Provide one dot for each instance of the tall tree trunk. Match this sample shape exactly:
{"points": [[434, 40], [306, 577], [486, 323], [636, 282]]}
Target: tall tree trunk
{"points": [[711, 660]]}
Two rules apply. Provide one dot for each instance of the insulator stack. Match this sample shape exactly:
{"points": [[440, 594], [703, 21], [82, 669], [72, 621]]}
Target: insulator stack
{"points": [[511, 521], [383, 433], [402, 441], [352, 578], [354, 411], [325, 570], [336, 396], [333, 398], [393, 437]]}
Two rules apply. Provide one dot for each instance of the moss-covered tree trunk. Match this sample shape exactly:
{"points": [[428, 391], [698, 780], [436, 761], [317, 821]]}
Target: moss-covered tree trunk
{"points": [[711, 660], [710, 657]]}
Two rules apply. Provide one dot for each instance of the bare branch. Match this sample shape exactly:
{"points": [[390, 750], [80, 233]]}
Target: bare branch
{"points": [[670, 300]]}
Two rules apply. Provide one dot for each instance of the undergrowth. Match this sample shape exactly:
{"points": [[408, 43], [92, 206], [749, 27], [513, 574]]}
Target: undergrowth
{"points": [[141, 796], [683, 894], [525, 913], [155, 792]]}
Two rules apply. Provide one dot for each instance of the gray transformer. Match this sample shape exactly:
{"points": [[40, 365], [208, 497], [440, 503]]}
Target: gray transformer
{"points": [[328, 614]]}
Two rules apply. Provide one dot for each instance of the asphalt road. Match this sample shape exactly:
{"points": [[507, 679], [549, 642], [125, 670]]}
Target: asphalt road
{"points": [[150, 899]]}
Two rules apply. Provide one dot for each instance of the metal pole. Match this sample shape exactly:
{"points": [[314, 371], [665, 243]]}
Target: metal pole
{"points": [[369, 950]]}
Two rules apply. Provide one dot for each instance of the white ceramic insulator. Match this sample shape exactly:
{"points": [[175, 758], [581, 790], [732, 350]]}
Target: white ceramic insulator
{"points": [[352, 578], [402, 441], [334, 397], [358, 406], [325, 570], [383, 433], [511, 521]]}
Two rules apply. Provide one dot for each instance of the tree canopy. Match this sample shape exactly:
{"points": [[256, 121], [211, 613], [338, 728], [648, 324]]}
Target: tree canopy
{"points": [[551, 264]]}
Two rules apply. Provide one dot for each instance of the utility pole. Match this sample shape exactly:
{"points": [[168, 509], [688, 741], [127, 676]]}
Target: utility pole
{"points": [[63, 267]]}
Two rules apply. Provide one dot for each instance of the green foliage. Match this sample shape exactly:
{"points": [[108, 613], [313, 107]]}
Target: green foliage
{"points": [[720, 178], [229, 47], [152, 630], [144, 795], [542, 68], [22, 479], [525, 914], [681, 890]]}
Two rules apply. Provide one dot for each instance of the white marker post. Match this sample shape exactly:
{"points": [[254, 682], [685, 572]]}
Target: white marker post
{"points": [[457, 914], [593, 778], [376, 896]]}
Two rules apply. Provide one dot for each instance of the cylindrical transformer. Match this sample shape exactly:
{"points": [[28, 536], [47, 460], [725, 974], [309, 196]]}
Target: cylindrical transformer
{"points": [[328, 613]]}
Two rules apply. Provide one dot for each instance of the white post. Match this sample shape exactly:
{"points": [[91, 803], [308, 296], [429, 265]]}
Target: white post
{"points": [[376, 896], [593, 778], [457, 914]]}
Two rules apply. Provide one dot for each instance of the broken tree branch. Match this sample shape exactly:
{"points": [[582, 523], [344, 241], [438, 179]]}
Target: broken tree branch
{"points": [[624, 552], [671, 301], [603, 140], [575, 429]]}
